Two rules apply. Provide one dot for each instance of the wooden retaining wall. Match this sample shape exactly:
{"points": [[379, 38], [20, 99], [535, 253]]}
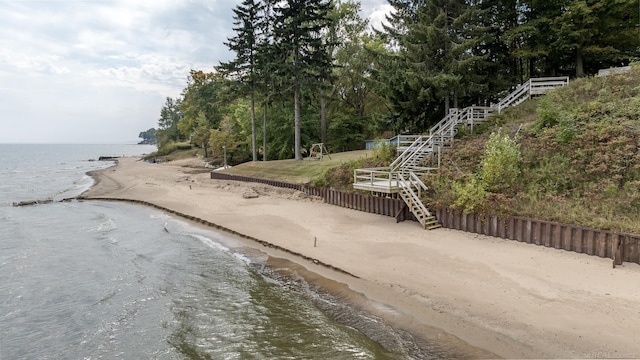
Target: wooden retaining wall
{"points": [[602, 243], [367, 203]]}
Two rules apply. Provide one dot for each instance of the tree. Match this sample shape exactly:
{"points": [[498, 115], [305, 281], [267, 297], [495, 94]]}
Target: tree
{"points": [[345, 42], [300, 50], [170, 116], [202, 104], [148, 137], [597, 33], [243, 69], [200, 133]]}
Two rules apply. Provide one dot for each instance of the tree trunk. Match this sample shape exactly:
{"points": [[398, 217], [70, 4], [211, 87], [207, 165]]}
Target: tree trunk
{"points": [[323, 118], [296, 120], [254, 150], [579, 63], [446, 105], [264, 133], [455, 99]]}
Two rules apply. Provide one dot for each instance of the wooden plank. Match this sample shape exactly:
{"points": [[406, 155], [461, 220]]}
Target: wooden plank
{"points": [[528, 232], [617, 249], [589, 236], [556, 236], [578, 240], [632, 250], [567, 233]]}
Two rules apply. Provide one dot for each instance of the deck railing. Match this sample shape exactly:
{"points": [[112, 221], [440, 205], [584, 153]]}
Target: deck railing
{"points": [[376, 177]]}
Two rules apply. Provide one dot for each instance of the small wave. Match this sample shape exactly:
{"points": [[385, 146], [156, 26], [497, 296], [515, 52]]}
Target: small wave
{"points": [[242, 257], [105, 225], [210, 243]]}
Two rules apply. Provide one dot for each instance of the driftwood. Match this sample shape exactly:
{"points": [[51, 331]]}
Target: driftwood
{"points": [[32, 202]]}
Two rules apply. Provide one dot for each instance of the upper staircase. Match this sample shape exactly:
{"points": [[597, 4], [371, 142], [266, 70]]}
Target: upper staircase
{"points": [[403, 175]]}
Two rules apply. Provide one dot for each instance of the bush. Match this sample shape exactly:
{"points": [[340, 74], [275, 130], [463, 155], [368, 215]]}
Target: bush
{"points": [[500, 166], [385, 152], [470, 196]]}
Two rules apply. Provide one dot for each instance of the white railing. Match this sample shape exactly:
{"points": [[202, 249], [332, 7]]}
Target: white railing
{"points": [[534, 86], [415, 179], [517, 94], [413, 200], [539, 86], [473, 115], [418, 144], [377, 177], [402, 142]]}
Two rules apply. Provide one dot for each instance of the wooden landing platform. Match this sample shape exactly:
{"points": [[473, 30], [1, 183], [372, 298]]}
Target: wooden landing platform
{"points": [[380, 186]]}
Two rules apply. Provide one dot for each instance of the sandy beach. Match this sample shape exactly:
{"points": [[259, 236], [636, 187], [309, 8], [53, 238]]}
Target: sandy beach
{"points": [[486, 296]]}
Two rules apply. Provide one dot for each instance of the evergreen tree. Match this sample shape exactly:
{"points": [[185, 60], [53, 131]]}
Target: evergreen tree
{"points": [[247, 19], [301, 51], [439, 49], [597, 33]]}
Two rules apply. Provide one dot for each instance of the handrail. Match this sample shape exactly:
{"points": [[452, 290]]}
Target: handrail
{"points": [[417, 145], [516, 94], [414, 197], [417, 180], [370, 176]]}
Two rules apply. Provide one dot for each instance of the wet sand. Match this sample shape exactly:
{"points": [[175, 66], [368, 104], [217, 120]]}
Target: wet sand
{"points": [[484, 296]]}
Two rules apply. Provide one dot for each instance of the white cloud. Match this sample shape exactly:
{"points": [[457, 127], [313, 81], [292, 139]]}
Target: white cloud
{"points": [[378, 14], [98, 71]]}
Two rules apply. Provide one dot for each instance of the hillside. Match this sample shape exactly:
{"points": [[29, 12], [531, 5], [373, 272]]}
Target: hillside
{"points": [[580, 157]]}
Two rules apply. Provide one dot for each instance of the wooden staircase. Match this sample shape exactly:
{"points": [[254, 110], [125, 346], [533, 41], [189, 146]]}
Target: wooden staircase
{"points": [[415, 205], [403, 175]]}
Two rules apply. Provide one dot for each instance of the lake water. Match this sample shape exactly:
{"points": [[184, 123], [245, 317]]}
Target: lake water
{"points": [[105, 280]]}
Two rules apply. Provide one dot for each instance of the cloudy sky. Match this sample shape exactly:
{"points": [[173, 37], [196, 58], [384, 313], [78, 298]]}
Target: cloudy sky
{"points": [[98, 71]]}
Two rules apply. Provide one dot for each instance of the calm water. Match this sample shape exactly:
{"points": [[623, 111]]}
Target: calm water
{"points": [[103, 280]]}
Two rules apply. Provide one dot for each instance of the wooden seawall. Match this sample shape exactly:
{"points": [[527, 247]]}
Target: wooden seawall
{"points": [[606, 244]]}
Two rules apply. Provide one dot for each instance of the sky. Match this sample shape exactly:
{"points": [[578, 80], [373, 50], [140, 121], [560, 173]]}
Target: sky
{"points": [[99, 71]]}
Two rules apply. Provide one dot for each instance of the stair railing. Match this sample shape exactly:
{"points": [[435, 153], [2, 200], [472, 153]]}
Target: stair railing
{"points": [[414, 200], [518, 93]]}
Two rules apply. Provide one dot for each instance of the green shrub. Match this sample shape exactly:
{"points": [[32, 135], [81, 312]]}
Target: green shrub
{"points": [[385, 152], [166, 149], [470, 195], [500, 166]]}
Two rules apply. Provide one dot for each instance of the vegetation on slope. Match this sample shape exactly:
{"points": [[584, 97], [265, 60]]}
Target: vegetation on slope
{"points": [[580, 158]]}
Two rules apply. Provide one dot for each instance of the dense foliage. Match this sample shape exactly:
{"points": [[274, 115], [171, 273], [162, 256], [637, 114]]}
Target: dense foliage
{"points": [[313, 71], [148, 137], [580, 158]]}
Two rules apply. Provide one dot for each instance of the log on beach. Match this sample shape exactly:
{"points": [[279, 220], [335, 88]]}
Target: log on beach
{"points": [[32, 202]]}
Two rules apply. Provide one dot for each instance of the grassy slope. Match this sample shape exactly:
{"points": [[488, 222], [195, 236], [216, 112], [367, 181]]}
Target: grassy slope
{"points": [[580, 156]]}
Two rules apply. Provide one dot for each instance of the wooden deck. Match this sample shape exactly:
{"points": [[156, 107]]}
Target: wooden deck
{"points": [[379, 180]]}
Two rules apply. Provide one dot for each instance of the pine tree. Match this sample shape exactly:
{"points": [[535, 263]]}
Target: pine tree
{"points": [[248, 18], [301, 53]]}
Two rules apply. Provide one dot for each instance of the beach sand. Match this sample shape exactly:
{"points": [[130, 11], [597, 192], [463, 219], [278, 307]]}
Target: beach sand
{"points": [[486, 296]]}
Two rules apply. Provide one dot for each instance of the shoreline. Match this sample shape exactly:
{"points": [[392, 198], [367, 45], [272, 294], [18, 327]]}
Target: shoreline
{"points": [[473, 292]]}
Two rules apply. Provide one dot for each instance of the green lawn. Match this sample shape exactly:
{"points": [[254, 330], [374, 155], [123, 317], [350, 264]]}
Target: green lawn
{"points": [[300, 172]]}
